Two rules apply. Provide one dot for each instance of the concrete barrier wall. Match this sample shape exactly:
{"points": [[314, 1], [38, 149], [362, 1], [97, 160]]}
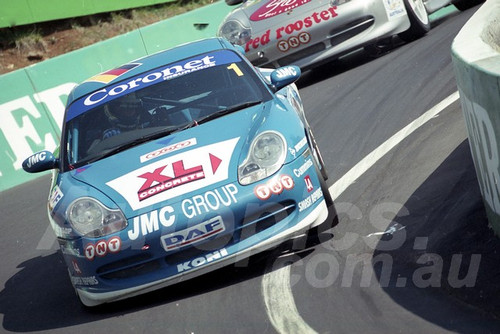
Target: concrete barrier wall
{"points": [[15, 13], [476, 61], [32, 99]]}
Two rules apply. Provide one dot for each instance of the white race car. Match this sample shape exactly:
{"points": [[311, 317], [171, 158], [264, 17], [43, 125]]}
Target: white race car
{"points": [[307, 33]]}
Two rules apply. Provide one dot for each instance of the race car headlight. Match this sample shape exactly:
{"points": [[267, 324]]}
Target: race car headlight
{"points": [[92, 219], [267, 155], [235, 32]]}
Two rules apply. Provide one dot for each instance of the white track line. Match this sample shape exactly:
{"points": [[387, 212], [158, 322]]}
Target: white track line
{"points": [[276, 289]]}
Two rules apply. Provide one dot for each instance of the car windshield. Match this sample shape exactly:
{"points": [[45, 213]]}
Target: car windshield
{"points": [[157, 103]]}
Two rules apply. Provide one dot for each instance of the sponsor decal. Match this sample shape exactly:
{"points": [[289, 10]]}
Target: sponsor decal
{"points": [[87, 281], [108, 76], [294, 41], [276, 7], [168, 149], [176, 175], [76, 268], [150, 222], [310, 200], [36, 158], [394, 8], [293, 34], [212, 200], [68, 248], [156, 182], [81, 169], [274, 187], [102, 247], [303, 169], [300, 145], [153, 77], [55, 196], [309, 184], [202, 260], [193, 234], [285, 72]]}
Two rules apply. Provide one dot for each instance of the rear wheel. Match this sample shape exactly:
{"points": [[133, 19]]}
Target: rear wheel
{"points": [[466, 4], [419, 20]]}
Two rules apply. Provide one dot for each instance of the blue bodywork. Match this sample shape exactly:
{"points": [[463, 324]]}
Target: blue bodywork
{"points": [[186, 208]]}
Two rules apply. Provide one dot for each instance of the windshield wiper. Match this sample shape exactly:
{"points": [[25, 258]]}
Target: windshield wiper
{"points": [[126, 146], [220, 113]]}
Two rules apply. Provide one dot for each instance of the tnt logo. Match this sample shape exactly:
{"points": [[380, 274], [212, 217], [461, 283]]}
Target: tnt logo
{"points": [[294, 41], [103, 247], [275, 186]]}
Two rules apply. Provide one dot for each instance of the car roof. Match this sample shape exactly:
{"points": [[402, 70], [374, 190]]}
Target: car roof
{"points": [[148, 63]]}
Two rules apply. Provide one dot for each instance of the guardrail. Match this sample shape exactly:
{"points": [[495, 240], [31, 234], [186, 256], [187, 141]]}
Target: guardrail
{"points": [[32, 99], [476, 61], [16, 13]]}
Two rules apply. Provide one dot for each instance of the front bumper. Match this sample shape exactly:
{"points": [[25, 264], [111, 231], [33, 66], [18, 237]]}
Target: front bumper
{"points": [[315, 217], [310, 41], [254, 218]]}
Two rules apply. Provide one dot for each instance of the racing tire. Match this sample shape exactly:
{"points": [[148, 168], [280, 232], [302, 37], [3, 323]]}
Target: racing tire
{"points": [[331, 219], [318, 158], [321, 177], [466, 4], [419, 20], [233, 2]]}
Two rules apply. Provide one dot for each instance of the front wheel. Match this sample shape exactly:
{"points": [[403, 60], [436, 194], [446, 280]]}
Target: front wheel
{"points": [[419, 20]]}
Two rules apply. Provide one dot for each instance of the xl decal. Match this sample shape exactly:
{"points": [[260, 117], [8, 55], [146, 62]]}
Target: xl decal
{"points": [[156, 182], [176, 175]]}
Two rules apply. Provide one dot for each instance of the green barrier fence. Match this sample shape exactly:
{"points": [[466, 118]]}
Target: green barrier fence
{"points": [[15, 13], [476, 61], [32, 99]]}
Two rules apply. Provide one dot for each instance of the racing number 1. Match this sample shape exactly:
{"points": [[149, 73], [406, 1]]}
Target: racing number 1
{"points": [[236, 69]]}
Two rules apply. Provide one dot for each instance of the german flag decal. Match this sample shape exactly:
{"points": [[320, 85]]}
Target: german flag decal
{"points": [[108, 76]]}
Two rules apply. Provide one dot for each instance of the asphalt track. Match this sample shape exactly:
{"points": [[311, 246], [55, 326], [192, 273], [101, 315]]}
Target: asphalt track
{"points": [[408, 250]]}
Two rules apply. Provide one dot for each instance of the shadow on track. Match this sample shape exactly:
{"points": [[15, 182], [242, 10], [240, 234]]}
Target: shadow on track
{"points": [[41, 290], [448, 248]]}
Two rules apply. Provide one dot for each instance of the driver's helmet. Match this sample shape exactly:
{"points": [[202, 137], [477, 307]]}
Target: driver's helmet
{"points": [[124, 112]]}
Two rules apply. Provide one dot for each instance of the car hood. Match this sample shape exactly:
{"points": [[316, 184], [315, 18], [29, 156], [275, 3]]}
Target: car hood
{"points": [[144, 177], [260, 12]]}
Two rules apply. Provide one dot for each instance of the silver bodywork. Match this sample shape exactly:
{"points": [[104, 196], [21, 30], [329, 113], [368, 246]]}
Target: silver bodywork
{"points": [[308, 32], [433, 5]]}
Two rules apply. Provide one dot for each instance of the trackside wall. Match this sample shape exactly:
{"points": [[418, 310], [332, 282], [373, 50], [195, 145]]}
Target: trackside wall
{"points": [[32, 99], [15, 13], [476, 60]]}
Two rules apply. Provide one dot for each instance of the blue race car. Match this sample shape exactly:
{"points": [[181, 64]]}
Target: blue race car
{"points": [[176, 164]]}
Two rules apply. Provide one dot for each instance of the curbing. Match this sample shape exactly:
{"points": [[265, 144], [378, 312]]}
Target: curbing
{"points": [[476, 61]]}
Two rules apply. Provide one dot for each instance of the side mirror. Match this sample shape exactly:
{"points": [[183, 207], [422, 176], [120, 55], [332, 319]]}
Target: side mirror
{"points": [[40, 161], [284, 76], [234, 2]]}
